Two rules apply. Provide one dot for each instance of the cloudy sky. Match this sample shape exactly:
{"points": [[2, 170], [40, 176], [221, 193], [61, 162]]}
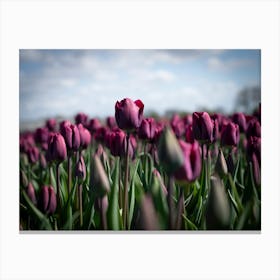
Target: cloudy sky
{"points": [[64, 82]]}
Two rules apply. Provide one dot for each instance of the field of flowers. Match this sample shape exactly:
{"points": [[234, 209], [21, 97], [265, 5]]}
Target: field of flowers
{"points": [[193, 172]]}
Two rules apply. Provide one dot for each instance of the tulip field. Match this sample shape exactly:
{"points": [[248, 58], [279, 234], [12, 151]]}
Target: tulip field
{"points": [[198, 171]]}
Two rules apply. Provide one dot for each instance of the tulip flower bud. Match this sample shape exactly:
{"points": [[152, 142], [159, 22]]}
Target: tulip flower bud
{"points": [[23, 179], [111, 122], [177, 125], [202, 126], [148, 217], [41, 135], [132, 145], [230, 135], [31, 193], [170, 153], [189, 134], [48, 201], [129, 114], [253, 128], [85, 136], [93, 125], [57, 148], [218, 209], [191, 169], [99, 182], [81, 118], [43, 162], [71, 136], [239, 118], [51, 124], [80, 170], [33, 154], [147, 129], [116, 141], [221, 165]]}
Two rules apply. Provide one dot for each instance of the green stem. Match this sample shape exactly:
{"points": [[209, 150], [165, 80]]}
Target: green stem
{"points": [[58, 186], [180, 209], [125, 200], [170, 202], [81, 204], [69, 174]]}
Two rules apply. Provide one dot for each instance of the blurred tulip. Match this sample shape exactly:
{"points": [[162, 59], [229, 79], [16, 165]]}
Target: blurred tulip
{"points": [[129, 114], [116, 142], [256, 170], [254, 147], [239, 118], [80, 170], [177, 125], [71, 135], [57, 148], [191, 169], [216, 132], [93, 125], [253, 128], [33, 154], [41, 135], [23, 179], [43, 162], [48, 201], [218, 210], [31, 193], [51, 124], [189, 134], [187, 119], [202, 126], [132, 145], [100, 134], [85, 137], [111, 122], [221, 165], [170, 153], [81, 118], [147, 129], [230, 135]]}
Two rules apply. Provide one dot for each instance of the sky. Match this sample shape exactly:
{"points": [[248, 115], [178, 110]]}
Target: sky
{"points": [[64, 82]]}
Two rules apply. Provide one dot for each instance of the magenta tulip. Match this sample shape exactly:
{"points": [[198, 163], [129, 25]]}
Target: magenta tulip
{"points": [[129, 114], [51, 124], [239, 118], [147, 129], [202, 126], [111, 122], [80, 170], [33, 154], [116, 141], [230, 135], [48, 201], [57, 148], [81, 118], [93, 125], [191, 169], [31, 193], [85, 136], [71, 135], [253, 128]]}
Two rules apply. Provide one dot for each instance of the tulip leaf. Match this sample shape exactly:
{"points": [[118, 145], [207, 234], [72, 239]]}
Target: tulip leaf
{"points": [[188, 223], [45, 224]]}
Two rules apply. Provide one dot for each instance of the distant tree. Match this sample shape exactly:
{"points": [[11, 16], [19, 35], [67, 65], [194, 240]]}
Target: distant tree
{"points": [[248, 99]]}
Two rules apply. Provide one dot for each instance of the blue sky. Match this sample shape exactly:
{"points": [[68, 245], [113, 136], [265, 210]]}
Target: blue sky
{"points": [[64, 82]]}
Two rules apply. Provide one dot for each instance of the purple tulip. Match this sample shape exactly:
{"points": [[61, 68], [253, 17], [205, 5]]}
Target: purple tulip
{"points": [[33, 154], [41, 135], [177, 125], [192, 162], [239, 118], [43, 162], [230, 135], [80, 170], [71, 135], [147, 129], [202, 126], [116, 140], [111, 122], [189, 134], [216, 131], [51, 124], [129, 114], [57, 148], [48, 201], [93, 125], [85, 136], [132, 145], [187, 119], [31, 193], [253, 128], [254, 147], [81, 118]]}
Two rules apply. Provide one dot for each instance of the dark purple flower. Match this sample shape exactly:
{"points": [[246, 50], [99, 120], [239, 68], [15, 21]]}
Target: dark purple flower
{"points": [[253, 128], [93, 125], [48, 201], [192, 162], [111, 122], [43, 162], [116, 140], [129, 114], [41, 135], [177, 125], [202, 126], [230, 135], [51, 124], [85, 136], [71, 135], [132, 145], [147, 129], [239, 118], [254, 147], [81, 118], [56, 148], [31, 193], [187, 119], [189, 134], [33, 154]]}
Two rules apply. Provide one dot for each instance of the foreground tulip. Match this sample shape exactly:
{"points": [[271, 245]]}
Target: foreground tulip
{"points": [[239, 118], [147, 129], [192, 162], [129, 114], [230, 135], [56, 148], [202, 126], [71, 136], [48, 200]]}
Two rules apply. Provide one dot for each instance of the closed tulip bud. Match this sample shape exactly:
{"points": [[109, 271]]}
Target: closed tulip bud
{"points": [[116, 141], [33, 154], [81, 118], [80, 170], [31, 193], [93, 125], [100, 134], [253, 128], [191, 169], [147, 129], [129, 114], [202, 126], [239, 118], [85, 136], [43, 162], [221, 165], [230, 135], [23, 179], [218, 211], [111, 122], [71, 136], [177, 125], [170, 153], [41, 135], [48, 201], [56, 148], [132, 145], [99, 182], [51, 124], [189, 134]]}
